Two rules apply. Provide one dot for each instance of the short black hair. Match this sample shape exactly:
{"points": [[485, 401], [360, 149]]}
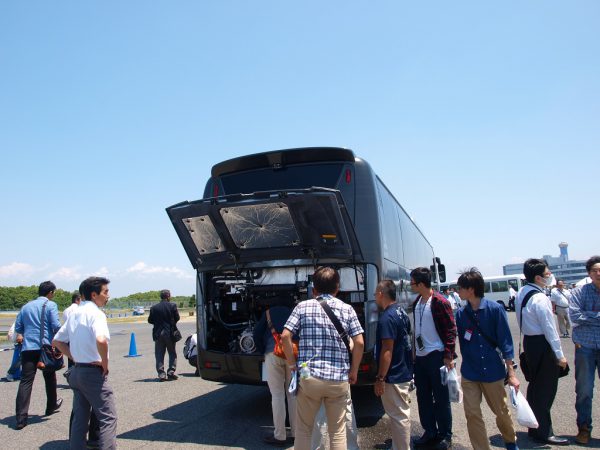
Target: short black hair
{"points": [[165, 294], [590, 263], [326, 280], [421, 275], [534, 267], [76, 296], [387, 288], [93, 284], [472, 278], [45, 288]]}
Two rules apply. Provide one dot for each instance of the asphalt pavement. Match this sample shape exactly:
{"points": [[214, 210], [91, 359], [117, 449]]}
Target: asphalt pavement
{"points": [[193, 413]]}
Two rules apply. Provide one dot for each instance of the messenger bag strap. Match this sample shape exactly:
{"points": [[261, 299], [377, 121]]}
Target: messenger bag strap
{"points": [[523, 304], [475, 322], [270, 324], [42, 320], [336, 323]]}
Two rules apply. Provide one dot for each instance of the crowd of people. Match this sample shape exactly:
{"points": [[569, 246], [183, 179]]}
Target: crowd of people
{"points": [[313, 351]]}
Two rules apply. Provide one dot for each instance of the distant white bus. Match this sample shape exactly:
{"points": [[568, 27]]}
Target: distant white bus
{"points": [[497, 288]]}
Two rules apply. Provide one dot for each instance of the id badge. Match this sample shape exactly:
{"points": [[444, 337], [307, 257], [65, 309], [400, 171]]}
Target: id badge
{"points": [[420, 344], [468, 335]]}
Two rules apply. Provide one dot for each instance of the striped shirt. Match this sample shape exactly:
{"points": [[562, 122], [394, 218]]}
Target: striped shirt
{"points": [[584, 311], [320, 343]]}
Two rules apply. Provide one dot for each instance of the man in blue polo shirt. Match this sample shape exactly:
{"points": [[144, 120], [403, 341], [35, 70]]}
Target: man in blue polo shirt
{"points": [[484, 334], [394, 362]]}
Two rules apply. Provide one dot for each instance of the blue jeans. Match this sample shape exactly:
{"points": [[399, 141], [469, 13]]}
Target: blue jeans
{"points": [[587, 361], [432, 396]]}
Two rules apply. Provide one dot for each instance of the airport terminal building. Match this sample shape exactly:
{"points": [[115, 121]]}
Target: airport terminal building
{"points": [[570, 271]]}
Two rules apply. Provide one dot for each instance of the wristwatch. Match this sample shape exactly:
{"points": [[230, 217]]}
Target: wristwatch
{"points": [[380, 378]]}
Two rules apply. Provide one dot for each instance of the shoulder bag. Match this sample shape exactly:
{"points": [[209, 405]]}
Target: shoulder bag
{"points": [[51, 359], [175, 333]]}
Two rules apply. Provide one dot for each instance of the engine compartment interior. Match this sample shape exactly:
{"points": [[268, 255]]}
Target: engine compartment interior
{"points": [[236, 300]]}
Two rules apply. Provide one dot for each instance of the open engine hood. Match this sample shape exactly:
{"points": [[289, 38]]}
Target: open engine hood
{"points": [[307, 224]]}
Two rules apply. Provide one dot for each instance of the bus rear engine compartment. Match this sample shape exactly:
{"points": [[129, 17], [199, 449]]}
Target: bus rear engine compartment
{"points": [[236, 304]]}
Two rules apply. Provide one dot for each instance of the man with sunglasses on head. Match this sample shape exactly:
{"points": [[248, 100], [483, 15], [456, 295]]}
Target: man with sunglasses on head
{"points": [[434, 341]]}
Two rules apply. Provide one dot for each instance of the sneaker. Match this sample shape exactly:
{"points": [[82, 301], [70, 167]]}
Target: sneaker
{"points": [[444, 444], [162, 377], [9, 377], [172, 376], [583, 437], [271, 440]]}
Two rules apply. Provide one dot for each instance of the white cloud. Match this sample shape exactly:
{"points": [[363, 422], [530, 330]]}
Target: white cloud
{"points": [[143, 269], [66, 274], [17, 269], [101, 272]]}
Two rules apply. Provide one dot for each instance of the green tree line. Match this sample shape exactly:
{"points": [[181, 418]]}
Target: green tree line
{"points": [[13, 298]]}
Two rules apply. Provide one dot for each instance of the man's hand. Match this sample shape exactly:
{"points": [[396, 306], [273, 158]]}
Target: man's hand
{"points": [[353, 376], [449, 363], [104, 365], [379, 388], [562, 362], [514, 382], [19, 339]]}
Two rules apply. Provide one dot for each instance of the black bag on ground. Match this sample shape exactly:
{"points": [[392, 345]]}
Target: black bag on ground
{"points": [[51, 359]]}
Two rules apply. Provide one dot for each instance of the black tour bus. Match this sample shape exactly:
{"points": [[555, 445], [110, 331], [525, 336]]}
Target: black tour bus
{"points": [[265, 222]]}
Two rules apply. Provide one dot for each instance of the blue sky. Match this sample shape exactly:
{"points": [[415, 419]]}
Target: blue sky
{"points": [[482, 119]]}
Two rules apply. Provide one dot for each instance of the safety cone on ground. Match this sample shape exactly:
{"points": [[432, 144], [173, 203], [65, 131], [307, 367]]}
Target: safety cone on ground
{"points": [[132, 348]]}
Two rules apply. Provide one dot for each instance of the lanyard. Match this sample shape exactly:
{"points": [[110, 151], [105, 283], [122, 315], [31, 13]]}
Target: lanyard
{"points": [[421, 316]]}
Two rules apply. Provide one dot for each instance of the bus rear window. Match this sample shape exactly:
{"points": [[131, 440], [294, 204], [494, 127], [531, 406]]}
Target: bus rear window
{"points": [[292, 177]]}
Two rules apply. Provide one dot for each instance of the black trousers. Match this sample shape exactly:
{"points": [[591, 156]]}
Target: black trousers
{"points": [[29, 360], [544, 382]]}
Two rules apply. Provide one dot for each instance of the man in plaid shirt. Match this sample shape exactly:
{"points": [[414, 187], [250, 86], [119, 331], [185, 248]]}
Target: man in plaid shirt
{"points": [[434, 339], [322, 349]]}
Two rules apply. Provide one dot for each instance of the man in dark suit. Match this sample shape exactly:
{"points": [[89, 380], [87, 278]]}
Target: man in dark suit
{"points": [[164, 316]]}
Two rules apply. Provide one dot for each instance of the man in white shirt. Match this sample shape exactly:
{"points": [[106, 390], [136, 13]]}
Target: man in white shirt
{"points": [[542, 348], [75, 301], [560, 298], [84, 339]]}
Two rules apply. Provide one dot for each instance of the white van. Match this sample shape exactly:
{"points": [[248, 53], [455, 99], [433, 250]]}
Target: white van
{"points": [[497, 288]]}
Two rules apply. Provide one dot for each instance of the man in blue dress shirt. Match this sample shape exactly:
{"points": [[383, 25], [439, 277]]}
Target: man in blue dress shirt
{"points": [[28, 324], [484, 334], [584, 311]]}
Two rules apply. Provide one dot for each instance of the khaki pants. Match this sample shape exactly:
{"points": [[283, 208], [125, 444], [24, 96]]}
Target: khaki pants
{"points": [[334, 395], [496, 398], [396, 402], [278, 379], [564, 323]]}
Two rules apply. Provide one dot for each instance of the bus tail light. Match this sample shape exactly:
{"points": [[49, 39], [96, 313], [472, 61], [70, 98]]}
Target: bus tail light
{"points": [[364, 367], [212, 365], [348, 176]]}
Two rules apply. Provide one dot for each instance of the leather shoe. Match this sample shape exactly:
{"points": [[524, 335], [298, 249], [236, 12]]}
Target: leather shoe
{"points": [[583, 436], [444, 444], [271, 440], [59, 402], [552, 440], [426, 441], [21, 425]]}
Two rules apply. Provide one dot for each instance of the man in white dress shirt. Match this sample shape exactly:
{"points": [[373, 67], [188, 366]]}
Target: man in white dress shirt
{"points": [[542, 348], [75, 301], [560, 298], [84, 339]]}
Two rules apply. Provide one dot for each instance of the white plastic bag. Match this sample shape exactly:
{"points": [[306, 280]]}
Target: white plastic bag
{"points": [[451, 378], [525, 416]]}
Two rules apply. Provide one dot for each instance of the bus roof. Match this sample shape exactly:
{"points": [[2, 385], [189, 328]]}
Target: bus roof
{"points": [[281, 158]]}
